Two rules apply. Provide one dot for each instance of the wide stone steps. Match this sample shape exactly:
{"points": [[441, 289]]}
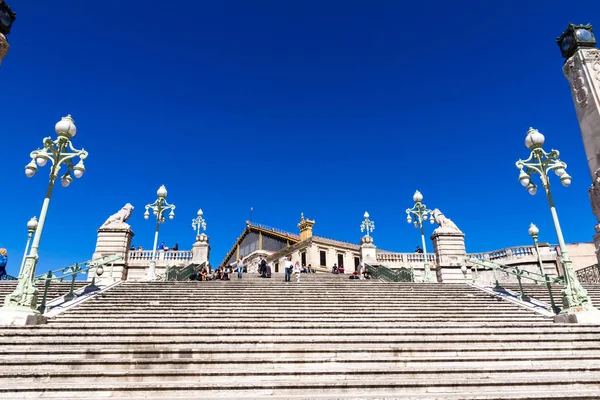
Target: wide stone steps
{"points": [[320, 338], [248, 386]]}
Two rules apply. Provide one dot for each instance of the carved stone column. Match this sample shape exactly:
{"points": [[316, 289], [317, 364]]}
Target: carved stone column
{"points": [[200, 249], [582, 70]]}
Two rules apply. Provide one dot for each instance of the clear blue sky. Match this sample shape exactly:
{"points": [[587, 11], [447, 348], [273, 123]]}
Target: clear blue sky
{"points": [[329, 108]]}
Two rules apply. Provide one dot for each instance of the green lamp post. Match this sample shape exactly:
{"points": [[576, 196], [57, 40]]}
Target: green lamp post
{"points": [[574, 296], [158, 208], [20, 306], [421, 213], [32, 225]]}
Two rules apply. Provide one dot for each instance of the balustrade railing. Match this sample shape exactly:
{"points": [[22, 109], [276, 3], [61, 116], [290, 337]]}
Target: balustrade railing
{"points": [[182, 273], [7, 277], [405, 258], [509, 253], [589, 274], [166, 255], [269, 228]]}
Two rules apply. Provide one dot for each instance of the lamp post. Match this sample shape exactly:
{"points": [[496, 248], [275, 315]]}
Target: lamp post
{"points": [[199, 223], [421, 213], [23, 301], [7, 17], [540, 162], [533, 232], [158, 208], [367, 225], [32, 225]]}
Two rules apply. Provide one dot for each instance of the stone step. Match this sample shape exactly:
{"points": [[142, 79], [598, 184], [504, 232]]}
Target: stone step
{"points": [[243, 386], [592, 374]]}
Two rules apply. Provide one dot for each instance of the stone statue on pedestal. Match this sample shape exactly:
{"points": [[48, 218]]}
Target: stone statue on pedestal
{"points": [[118, 219], [594, 193], [445, 224]]}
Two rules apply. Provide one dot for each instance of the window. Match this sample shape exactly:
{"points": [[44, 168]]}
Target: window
{"points": [[340, 260], [356, 263], [323, 258], [303, 258]]}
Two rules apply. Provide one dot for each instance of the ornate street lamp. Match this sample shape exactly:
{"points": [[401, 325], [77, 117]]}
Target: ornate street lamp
{"points": [[32, 225], [540, 162], [533, 232], [158, 208], [421, 213], [7, 17], [23, 300], [367, 225], [199, 223]]}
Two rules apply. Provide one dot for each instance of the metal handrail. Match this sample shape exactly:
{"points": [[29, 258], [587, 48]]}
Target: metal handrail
{"points": [[71, 272], [590, 274], [391, 275], [182, 273], [519, 273]]}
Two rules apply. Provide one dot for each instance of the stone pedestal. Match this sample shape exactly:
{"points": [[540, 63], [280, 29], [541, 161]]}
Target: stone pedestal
{"points": [[200, 249], [113, 240], [450, 251], [20, 316], [579, 315], [368, 251]]}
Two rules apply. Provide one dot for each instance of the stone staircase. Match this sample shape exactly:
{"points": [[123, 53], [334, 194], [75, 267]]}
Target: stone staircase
{"points": [[325, 337]]}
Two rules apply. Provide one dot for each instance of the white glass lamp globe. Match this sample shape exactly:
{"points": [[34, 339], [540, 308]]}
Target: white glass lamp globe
{"points": [[30, 169], [417, 197], [200, 213], [533, 230], [408, 219], [534, 139], [66, 127], [66, 180], [146, 215], [532, 189], [524, 178], [559, 171], [366, 215], [41, 161], [171, 215], [162, 191], [79, 169], [565, 179], [32, 224]]}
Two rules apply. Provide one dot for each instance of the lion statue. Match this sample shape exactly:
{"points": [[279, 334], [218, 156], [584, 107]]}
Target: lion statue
{"points": [[119, 218], [445, 223]]}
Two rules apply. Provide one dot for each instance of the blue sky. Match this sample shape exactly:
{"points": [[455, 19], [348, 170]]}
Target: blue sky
{"points": [[329, 108]]}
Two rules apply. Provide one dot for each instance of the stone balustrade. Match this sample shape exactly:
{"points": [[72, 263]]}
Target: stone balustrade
{"points": [[515, 253], [404, 259], [163, 258]]}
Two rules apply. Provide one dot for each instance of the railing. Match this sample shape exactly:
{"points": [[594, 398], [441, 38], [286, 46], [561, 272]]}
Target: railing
{"points": [[519, 273], [161, 255], [7, 277], [61, 274], [391, 275], [509, 253], [405, 258], [182, 274], [271, 229], [589, 274]]}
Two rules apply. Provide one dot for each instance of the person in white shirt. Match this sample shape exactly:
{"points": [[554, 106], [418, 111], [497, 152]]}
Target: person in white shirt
{"points": [[240, 268], [297, 271]]}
